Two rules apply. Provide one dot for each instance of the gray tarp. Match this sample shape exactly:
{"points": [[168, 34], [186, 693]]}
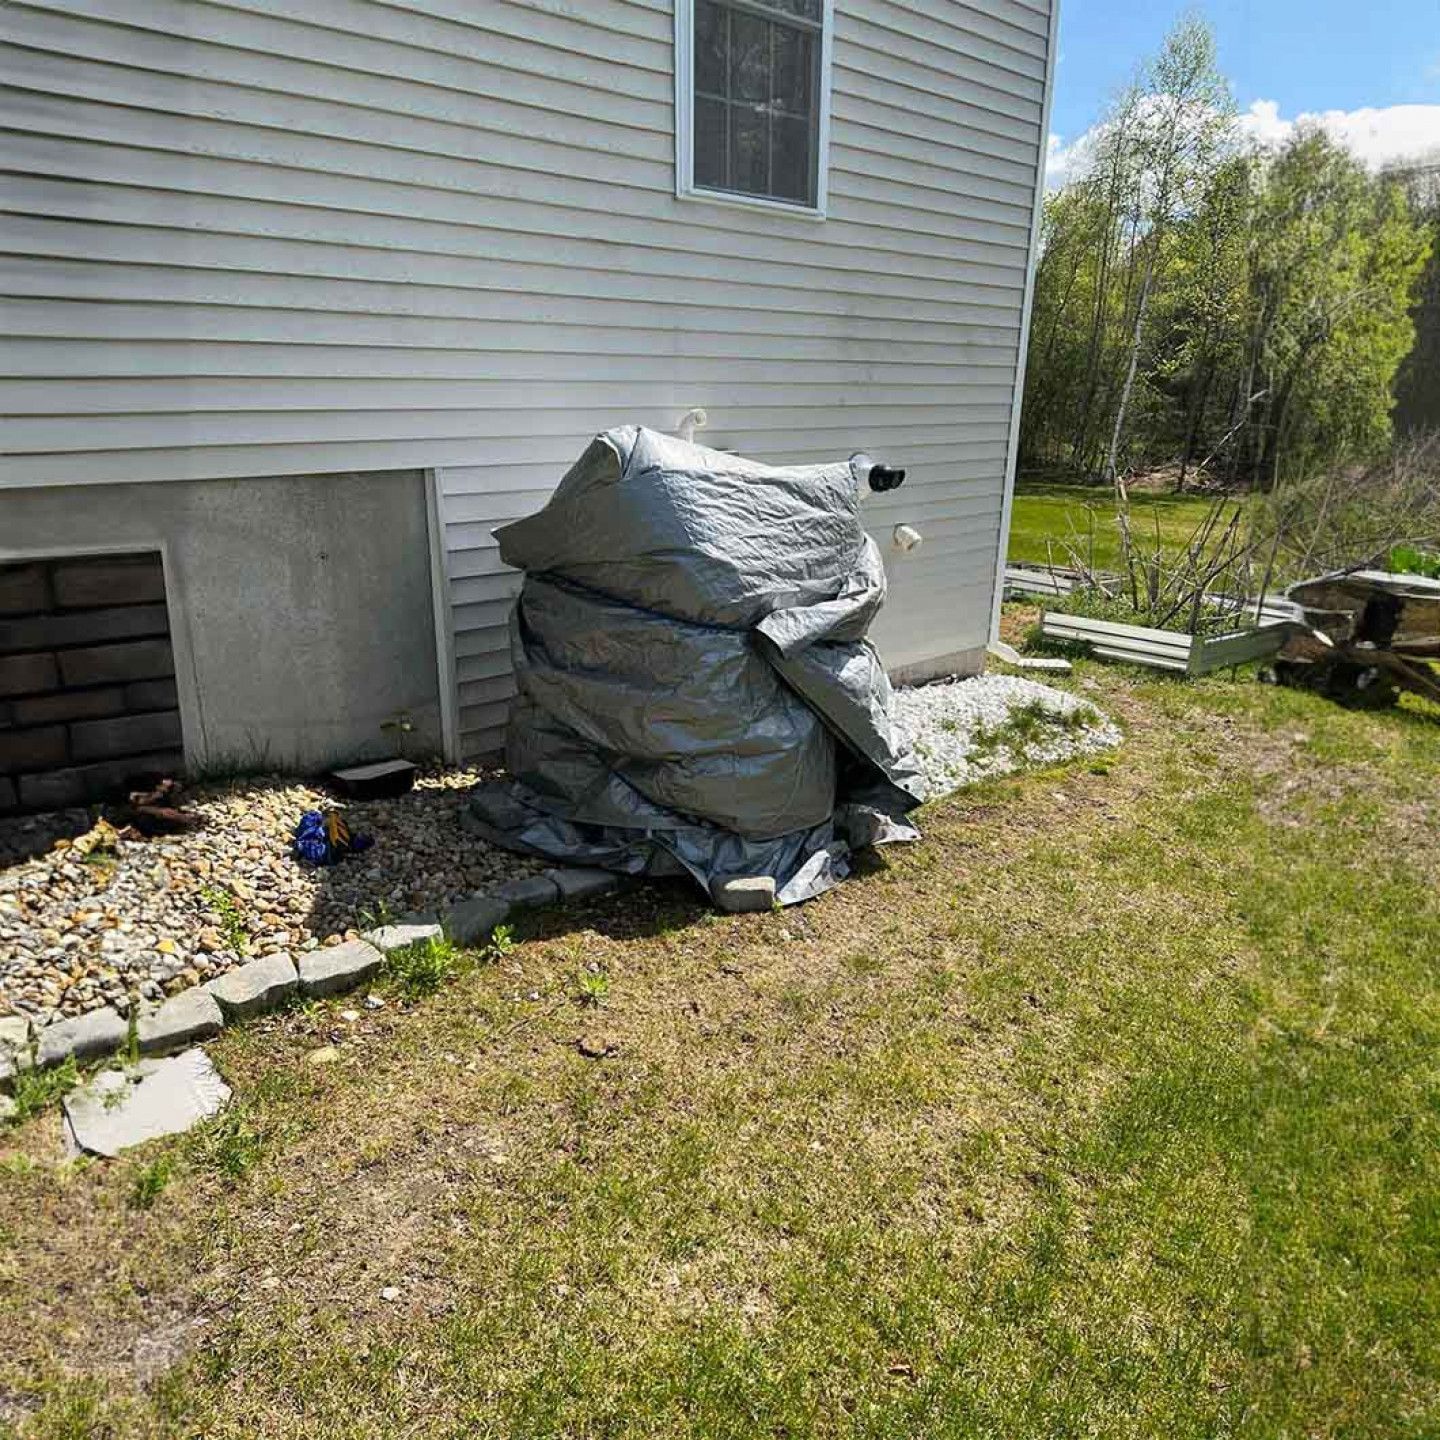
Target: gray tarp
{"points": [[696, 693]]}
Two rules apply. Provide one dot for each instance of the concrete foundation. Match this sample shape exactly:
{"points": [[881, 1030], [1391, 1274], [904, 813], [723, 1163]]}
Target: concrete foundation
{"points": [[300, 607], [957, 662]]}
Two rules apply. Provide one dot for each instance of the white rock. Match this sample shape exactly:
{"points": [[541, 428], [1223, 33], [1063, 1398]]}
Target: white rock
{"points": [[744, 894], [946, 725]]}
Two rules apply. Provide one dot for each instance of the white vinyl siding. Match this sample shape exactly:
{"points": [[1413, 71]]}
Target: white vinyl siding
{"points": [[249, 237]]}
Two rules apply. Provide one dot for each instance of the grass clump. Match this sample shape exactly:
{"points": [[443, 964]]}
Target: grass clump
{"points": [[422, 967], [150, 1182], [36, 1089], [230, 1145], [1030, 725]]}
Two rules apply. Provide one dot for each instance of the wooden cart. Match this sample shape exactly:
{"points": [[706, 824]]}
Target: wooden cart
{"points": [[1368, 636]]}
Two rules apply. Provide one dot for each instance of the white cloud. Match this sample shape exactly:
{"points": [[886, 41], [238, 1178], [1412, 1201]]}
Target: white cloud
{"points": [[1064, 162], [1376, 136]]}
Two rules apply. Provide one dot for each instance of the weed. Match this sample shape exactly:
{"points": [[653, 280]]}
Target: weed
{"points": [[374, 917], [102, 861], [1411, 560], [229, 1144], [591, 988], [151, 1181], [1030, 725], [500, 944], [230, 916], [35, 1089], [423, 967]]}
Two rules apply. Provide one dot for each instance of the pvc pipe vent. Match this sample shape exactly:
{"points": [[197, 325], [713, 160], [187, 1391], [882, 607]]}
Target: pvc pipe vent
{"points": [[690, 422]]}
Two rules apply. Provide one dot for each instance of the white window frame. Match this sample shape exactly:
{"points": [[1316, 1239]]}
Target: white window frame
{"points": [[685, 187]]}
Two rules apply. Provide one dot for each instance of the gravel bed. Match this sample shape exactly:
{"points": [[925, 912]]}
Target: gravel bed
{"points": [[967, 730], [149, 917]]}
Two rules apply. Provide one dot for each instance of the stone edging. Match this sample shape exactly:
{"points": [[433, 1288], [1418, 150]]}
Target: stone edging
{"points": [[202, 1011]]}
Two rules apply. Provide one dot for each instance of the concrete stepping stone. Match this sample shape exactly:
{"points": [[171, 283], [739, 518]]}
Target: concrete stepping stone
{"points": [[121, 1108], [746, 895]]}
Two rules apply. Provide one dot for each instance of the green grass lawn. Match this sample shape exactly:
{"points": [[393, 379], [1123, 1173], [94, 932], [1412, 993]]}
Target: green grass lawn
{"points": [[1111, 1110], [1045, 512]]}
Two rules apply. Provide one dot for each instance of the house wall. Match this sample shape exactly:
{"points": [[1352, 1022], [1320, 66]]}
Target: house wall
{"points": [[263, 238], [300, 606]]}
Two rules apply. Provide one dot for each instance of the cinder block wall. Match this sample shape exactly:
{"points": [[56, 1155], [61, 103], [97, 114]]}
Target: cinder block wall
{"points": [[87, 679], [300, 607]]}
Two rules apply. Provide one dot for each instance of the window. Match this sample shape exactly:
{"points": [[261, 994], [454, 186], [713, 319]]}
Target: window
{"points": [[752, 79]]}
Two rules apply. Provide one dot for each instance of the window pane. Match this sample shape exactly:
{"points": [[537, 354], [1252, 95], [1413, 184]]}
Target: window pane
{"points": [[709, 48], [710, 143], [790, 169], [757, 94], [792, 86], [749, 57], [748, 161]]}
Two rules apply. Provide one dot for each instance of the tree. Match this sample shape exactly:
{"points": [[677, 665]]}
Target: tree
{"points": [[1335, 254], [1207, 307], [1417, 386], [1184, 118], [1242, 312]]}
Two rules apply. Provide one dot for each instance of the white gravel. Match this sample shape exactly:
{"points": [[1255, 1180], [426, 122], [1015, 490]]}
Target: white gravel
{"points": [[967, 730]]}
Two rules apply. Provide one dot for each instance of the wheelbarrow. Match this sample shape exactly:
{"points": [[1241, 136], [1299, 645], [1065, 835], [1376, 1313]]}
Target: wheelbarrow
{"points": [[1365, 637]]}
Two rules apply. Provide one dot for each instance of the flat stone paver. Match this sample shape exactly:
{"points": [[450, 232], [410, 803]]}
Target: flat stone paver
{"points": [[14, 1048], [121, 1108], [529, 892], [473, 920], [253, 988], [335, 968], [400, 933], [86, 1037], [181, 1020], [579, 882]]}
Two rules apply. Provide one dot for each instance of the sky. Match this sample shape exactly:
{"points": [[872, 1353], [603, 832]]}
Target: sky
{"points": [[1368, 70]]}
